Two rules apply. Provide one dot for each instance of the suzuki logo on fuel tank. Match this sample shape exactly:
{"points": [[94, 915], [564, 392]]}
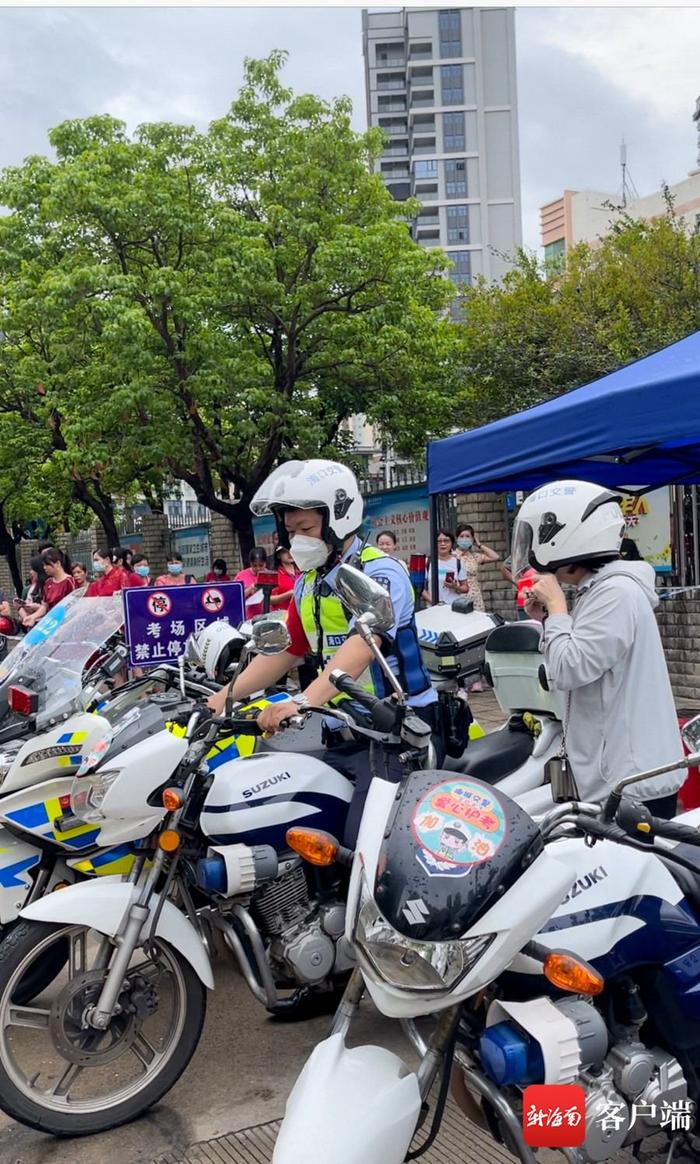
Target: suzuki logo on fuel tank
{"points": [[584, 883], [278, 779]]}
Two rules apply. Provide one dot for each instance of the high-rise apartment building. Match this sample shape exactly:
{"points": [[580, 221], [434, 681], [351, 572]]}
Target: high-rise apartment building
{"points": [[441, 84]]}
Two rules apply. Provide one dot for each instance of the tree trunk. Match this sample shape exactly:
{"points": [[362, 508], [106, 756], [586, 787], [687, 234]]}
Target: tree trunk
{"points": [[237, 512], [243, 526], [8, 549], [101, 505]]}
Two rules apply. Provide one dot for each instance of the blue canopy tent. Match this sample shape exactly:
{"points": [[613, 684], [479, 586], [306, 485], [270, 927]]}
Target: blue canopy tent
{"points": [[640, 424], [637, 426]]}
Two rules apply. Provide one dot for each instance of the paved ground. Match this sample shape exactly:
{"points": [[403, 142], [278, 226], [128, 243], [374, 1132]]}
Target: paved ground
{"points": [[239, 1077]]}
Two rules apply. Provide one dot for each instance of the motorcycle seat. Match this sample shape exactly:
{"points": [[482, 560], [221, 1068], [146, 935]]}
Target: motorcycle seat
{"points": [[493, 756], [688, 881]]}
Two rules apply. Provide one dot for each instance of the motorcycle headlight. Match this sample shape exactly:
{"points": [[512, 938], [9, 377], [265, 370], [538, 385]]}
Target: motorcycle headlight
{"points": [[88, 793], [7, 759], [96, 754], [408, 964]]}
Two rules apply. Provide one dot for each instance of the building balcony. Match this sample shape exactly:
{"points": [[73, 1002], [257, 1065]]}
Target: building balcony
{"points": [[396, 172], [422, 99], [399, 130], [398, 62], [386, 105], [420, 52], [424, 147], [400, 191]]}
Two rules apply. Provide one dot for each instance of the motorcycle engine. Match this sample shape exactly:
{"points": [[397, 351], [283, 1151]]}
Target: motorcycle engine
{"points": [[305, 941], [633, 1078]]}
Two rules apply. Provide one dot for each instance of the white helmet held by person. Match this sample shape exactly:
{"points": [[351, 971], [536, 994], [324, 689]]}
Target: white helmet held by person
{"points": [[564, 523], [327, 486]]}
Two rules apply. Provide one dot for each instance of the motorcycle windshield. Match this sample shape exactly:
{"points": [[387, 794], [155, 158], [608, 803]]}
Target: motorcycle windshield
{"points": [[53, 656]]}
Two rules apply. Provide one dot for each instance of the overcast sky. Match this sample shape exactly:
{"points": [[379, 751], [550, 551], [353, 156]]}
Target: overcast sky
{"points": [[586, 78]]}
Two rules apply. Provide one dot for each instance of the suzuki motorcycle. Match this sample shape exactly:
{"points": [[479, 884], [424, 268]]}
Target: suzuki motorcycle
{"points": [[58, 669], [42, 845], [130, 956], [564, 953]]}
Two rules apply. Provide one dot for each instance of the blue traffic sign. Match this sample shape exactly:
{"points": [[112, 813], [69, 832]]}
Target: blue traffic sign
{"points": [[159, 619]]}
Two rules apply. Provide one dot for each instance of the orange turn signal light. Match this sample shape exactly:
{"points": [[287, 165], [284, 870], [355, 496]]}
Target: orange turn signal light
{"points": [[314, 846], [172, 799], [169, 841], [573, 974]]}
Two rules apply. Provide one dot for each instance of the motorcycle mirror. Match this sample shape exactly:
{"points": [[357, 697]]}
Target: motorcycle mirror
{"points": [[690, 734], [365, 598], [269, 637]]}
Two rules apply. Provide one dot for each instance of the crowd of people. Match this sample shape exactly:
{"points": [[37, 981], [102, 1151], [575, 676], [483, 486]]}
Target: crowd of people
{"points": [[52, 576]]}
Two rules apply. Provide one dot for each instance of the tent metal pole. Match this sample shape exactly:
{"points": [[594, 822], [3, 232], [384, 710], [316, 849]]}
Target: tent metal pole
{"points": [[680, 532], [696, 547], [434, 526]]}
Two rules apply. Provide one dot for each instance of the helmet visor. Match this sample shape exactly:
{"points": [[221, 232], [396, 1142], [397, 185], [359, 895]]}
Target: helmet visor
{"points": [[261, 506], [521, 548]]}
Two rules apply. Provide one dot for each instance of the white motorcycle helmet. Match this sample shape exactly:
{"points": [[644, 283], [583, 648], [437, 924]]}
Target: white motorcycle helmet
{"points": [[216, 647], [564, 523], [316, 484]]}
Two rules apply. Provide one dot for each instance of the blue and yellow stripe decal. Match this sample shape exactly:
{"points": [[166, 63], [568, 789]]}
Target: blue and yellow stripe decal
{"points": [[113, 861], [44, 813]]}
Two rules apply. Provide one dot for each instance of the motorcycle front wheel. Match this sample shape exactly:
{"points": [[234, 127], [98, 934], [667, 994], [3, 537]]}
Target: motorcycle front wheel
{"points": [[61, 1076]]}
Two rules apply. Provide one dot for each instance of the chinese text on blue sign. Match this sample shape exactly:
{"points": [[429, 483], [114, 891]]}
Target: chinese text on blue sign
{"points": [[160, 618]]}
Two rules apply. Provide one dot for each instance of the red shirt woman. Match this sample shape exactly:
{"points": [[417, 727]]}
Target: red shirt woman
{"points": [[287, 575], [218, 572], [109, 579], [57, 585]]}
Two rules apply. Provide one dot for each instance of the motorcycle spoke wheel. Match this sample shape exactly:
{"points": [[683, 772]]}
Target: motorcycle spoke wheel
{"points": [[61, 1074]]}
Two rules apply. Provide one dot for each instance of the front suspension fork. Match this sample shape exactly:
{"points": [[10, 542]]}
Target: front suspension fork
{"points": [[100, 1015]]}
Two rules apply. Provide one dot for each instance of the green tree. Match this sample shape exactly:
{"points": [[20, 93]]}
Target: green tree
{"points": [[541, 333], [228, 299]]}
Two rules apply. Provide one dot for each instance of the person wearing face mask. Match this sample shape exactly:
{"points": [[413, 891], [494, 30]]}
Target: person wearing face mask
{"points": [[218, 572], [175, 575], [318, 511], [109, 578], [472, 554], [142, 569]]}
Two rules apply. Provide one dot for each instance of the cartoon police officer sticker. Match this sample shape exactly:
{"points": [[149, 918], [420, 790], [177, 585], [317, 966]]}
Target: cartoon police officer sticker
{"points": [[457, 824], [159, 604]]}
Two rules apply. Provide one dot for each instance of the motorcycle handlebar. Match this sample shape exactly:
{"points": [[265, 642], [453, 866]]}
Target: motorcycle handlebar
{"points": [[673, 831], [384, 715]]}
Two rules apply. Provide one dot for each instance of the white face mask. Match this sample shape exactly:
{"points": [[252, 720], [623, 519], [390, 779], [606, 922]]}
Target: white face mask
{"points": [[308, 553]]}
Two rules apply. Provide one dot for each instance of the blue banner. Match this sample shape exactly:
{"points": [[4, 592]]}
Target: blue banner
{"points": [[159, 619]]}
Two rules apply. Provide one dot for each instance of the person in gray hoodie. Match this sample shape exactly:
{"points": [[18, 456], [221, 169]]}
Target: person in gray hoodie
{"points": [[607, 656]]}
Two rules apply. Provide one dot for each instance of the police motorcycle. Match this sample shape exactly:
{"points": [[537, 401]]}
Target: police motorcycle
{"points": [[42, 844], [561, 953], [74, 649], [131, 991]]}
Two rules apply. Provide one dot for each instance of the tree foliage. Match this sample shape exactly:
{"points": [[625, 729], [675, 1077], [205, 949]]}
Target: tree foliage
{"points": [[543, 332], [197, 306]]}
